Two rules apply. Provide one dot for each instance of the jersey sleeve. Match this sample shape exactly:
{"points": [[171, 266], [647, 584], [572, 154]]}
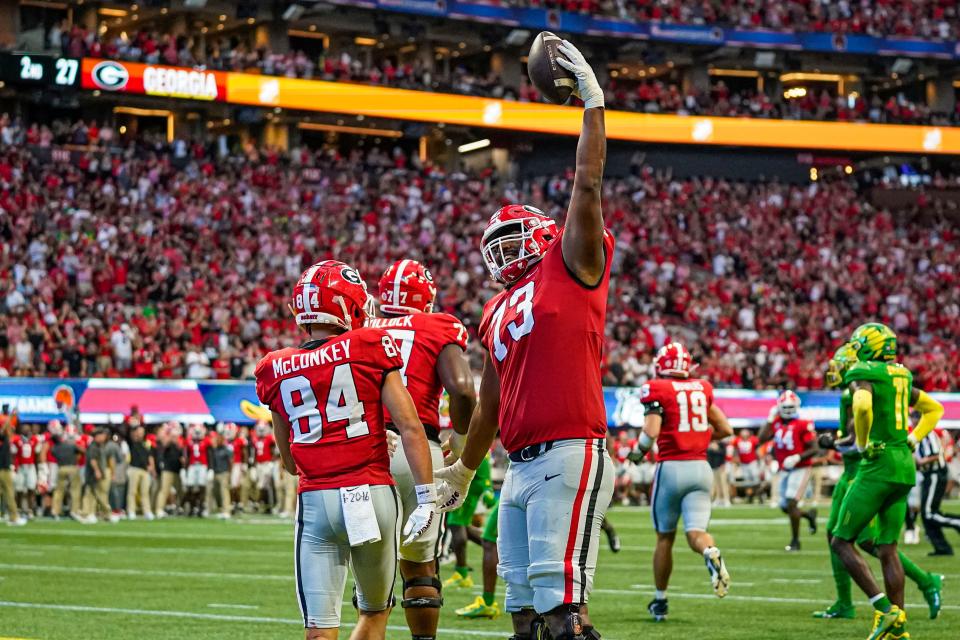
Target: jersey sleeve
{"points": [[451, 331], [380, 350], [650, 398], [866, 372], [485, 320], [266, 388]]}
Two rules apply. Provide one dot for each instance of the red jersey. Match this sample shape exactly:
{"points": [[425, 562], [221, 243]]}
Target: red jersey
{"points": [[622, 449], [239, 446], [262, 448], [791, 438], [545, 334], [197, 451], [421, 337], [27, 448], [685, 432], [329, 391], [746, 448]]}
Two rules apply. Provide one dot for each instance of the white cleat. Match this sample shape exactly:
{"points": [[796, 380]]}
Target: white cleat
{"points": [[911, 536], [719, 577], [19, 522]]}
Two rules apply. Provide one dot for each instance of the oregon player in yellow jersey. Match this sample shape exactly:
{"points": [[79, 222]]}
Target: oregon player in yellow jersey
{"points": [[929, 584], [882, 392]]}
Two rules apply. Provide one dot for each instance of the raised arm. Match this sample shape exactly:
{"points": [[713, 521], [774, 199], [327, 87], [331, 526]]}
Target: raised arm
{"points": [[583, 232]]}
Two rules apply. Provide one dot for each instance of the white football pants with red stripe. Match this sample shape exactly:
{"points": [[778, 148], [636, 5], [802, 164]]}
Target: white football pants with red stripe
{"points": [[550, 513]]}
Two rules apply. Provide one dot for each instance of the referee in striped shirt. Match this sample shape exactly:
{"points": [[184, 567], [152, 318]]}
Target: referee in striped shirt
{"points": [[931, 463]]}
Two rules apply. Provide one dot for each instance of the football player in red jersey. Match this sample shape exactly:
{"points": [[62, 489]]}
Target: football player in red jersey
{"points": [[432, 347], [743, 449], [236, 441], [195, 482], [327, 399], [541, 387], [26, 446], [794, 446], [680, 416], [262, 474]]}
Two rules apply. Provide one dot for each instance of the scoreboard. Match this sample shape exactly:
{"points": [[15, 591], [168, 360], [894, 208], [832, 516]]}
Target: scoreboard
{"points": [[40, 70]]}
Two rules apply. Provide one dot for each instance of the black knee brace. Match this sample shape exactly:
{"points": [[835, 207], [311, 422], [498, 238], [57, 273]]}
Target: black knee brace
{"points": [[422, 602]]}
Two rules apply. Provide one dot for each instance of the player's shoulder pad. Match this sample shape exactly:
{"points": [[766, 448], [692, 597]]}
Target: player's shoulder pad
{"points": [[866, 371]]}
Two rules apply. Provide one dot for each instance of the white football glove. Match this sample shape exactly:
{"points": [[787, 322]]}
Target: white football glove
{"points": [[454, 482], [392, 440], [422, 517], [774, 413], [588, 89], [791, 461]]}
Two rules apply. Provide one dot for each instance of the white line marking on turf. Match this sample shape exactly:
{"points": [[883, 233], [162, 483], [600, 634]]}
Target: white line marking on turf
{"points": [[140, 535], [146, 572], [796, 580], [224, 605], [210, 616]]}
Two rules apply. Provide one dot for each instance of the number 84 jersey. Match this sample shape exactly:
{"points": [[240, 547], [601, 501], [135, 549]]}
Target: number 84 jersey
{"points": [[685, 431], [545, 334], [329, 391]]}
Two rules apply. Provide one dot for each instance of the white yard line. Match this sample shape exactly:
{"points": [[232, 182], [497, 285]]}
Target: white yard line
{"points": [[49, 568], [224, 605], [210, 616]]}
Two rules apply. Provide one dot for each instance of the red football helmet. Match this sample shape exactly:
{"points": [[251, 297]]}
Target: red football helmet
{"points": [[674, 361], [407, 287], [330, 292], [515, 238], [788, 405], [55, 428], [262, 428], [197, 432], [229, 431]]}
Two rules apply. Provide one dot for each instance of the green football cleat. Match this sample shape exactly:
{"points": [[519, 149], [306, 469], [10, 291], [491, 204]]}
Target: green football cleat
{"points": [[932, 595], [480, 609], [836, 611], [883, 622]]}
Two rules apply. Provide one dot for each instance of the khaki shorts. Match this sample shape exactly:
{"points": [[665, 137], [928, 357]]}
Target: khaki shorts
{"points": [[323, 552]]}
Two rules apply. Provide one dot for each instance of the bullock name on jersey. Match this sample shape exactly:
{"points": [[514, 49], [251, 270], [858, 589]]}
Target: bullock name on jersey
{"points": [[421, 337], [685, 429], [544, 334], [329, 392]]}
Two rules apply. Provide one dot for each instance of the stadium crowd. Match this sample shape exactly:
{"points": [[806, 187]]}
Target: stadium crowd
{"points": [[651, 96], [167, 261]]}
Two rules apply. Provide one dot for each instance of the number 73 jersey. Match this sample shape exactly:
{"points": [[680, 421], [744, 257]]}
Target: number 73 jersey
{"points": [[685, 431], [330, 392], [545, 334]]}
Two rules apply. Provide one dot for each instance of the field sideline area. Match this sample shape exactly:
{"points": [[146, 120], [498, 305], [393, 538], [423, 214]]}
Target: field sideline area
{"points": [[208, 579]]}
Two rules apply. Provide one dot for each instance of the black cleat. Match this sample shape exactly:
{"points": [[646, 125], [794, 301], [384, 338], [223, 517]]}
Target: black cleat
{"points": [[812, 520], [613, 540], [658, 609], [793, 546]]}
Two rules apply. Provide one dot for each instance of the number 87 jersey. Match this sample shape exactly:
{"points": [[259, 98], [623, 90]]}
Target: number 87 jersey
{"points": [[684, 404]]}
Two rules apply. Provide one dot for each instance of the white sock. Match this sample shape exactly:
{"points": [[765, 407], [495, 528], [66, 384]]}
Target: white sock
{"points": [[874, 599], [660, 595], [708, 551]]}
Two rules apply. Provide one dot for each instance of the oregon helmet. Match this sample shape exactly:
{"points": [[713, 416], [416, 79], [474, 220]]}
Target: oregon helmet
{"points": [[842, 358], [874, 341]]}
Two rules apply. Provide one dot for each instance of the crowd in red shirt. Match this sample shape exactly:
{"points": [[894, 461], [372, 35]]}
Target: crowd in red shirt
{"points": [[160, 263]]}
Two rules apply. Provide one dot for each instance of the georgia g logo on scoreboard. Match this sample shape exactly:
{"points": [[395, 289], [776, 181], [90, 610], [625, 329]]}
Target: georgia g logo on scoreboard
{"points": [[110, 75]]}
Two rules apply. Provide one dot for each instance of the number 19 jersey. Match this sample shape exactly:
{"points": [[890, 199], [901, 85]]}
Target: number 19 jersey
{"points": [[684, 431], [544, 334], [330, 392]]}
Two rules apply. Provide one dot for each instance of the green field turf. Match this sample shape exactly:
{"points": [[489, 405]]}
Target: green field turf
{"points": [[212, 579]]}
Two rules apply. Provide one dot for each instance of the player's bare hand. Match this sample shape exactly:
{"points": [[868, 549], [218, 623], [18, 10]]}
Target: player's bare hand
{"points": [[453, 482], [588, 89]]}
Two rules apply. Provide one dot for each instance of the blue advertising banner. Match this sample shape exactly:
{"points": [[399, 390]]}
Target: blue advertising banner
{"points": [[108, 400], [549, 19]]}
